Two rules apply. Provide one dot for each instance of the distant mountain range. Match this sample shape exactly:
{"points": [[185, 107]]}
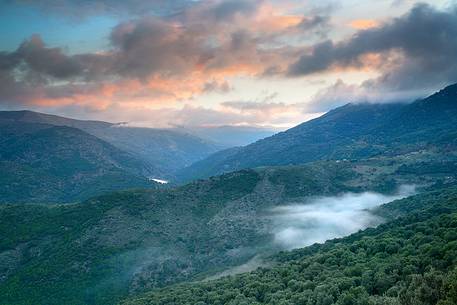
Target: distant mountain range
{"points": [[130, 155], [164, 150], [350, 132]]}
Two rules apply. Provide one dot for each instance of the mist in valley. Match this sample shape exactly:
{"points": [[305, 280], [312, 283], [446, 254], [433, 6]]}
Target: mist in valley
{"points": [[323, 218], [316, 220]]}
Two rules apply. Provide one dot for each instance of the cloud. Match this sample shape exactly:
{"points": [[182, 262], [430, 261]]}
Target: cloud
{"points": [[270, 113], [315, 24], [215, 86], [186, 115], [341, 93], [48, 61], [336, 95], [234, 113], [149, 46], [228, 10], [169, 59], [324, 218], [363, 24], [34, 59], [164, 59], [83, 8], [412, 51]]}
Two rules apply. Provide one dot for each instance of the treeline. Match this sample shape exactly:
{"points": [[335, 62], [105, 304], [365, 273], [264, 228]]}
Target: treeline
{"points": [[408, 261]]}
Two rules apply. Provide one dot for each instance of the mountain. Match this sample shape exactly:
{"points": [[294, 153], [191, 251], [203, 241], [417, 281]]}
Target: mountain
{"points": [[164, 150], [317, 139], [232, 136], [173, 245], [349, 132], [108, 247], [428, 120], [45, 163]]}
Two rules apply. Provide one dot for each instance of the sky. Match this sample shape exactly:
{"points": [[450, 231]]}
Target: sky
{"points": [[264, 63]]}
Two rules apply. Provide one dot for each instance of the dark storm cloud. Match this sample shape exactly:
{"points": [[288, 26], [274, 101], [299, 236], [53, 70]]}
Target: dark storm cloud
{"points": [[425, 37]]}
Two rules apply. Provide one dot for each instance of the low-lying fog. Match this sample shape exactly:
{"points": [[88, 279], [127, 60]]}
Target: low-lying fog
{"points": [[323, 218], [319, 219]]}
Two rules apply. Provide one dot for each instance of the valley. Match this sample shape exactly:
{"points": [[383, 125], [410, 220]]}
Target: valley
{"points": [[136, 240], [282, 230]]}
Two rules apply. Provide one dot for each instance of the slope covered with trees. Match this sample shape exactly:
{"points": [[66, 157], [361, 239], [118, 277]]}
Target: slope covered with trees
{"points": [[409, 260], [163, 150], [108, 247], [48, 164], [353, 131]]}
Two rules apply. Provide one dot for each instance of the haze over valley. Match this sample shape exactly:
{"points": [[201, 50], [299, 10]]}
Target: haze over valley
{"points": [[323, 218]]}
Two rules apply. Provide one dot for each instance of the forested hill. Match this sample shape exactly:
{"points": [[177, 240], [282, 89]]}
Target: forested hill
{"points": [[352, 131], [48, 164], [116, 245], [409, 260]]}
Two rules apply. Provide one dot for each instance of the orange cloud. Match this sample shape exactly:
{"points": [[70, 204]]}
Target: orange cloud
{"points": [[363, 24], [156, 92], [270, 18]]}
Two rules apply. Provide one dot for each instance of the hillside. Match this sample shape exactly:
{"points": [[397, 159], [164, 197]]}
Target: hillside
{"points": [[49, 164], [352, 131], [164, 150], [409, 260], [111, 246]]}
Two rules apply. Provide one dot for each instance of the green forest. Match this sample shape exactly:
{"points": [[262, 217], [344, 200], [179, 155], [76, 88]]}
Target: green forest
{"points": [[410, 260]]}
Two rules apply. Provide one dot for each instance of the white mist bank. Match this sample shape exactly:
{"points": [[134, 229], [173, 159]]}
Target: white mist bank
{"points": [[317, 220], [161, 181], [325, 218]]}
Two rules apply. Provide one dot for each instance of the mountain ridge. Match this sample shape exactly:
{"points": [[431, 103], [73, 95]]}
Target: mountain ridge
{"points": [[48, 164], [164, 150], [350, 131]]}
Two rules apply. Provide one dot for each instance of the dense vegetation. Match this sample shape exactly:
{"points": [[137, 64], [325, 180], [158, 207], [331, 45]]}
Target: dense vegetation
{"points": [[353, 131], [44, 163], [107, 247], [122, 243], [409, 260]]}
